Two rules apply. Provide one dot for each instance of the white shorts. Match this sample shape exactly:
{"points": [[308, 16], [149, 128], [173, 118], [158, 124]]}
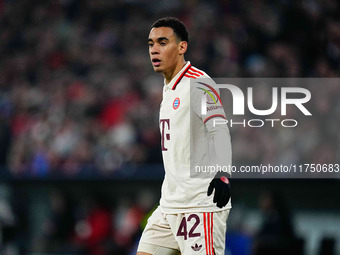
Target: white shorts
{"points": [[189, 233]]}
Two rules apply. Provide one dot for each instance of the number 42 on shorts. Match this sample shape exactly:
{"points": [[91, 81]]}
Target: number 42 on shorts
{"points": [[183, 229]]}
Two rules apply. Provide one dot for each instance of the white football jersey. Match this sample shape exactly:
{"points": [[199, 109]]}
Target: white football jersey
{"points": [[187, 141]]}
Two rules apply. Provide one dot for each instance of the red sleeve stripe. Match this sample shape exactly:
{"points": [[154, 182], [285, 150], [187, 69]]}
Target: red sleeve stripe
{"points": [[214, 116], [196, 70], [195, 74], [181, 76], [189, 76]]}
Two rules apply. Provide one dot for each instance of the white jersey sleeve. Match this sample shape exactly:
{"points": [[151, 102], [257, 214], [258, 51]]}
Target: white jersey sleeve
{"points": [[207, 104]]}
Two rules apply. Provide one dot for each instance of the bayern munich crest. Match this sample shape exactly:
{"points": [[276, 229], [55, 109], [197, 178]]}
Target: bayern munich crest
{"points": [[176, 103]]}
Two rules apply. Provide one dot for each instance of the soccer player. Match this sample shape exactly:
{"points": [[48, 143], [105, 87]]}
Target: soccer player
{"points": [[189, 219]]}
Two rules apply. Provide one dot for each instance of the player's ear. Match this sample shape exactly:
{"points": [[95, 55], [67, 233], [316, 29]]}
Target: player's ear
{"points": [[183, 46]]}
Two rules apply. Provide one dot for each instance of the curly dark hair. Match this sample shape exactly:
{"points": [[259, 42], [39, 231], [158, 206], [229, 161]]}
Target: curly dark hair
{"points": [[179, 28]]}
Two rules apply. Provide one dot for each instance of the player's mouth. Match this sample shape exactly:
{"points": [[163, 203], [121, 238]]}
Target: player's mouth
{"points": [[156, 62]]}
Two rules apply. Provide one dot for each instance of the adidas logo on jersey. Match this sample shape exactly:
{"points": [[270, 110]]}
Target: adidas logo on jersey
{"points": [[196, 247]]}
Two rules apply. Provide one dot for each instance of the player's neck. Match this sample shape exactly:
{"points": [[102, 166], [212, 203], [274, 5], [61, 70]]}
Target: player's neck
{"points": [[172, 73]]}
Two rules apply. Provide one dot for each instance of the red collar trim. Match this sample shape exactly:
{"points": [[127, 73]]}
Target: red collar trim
{"points": [[180, 77]]}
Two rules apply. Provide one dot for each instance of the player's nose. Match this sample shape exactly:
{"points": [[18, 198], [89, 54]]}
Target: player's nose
{"points": [[154, 50]]}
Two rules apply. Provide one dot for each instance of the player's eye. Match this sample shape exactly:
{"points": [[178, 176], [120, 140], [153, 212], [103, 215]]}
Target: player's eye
{"points": [[150, 44], [162, 43]]}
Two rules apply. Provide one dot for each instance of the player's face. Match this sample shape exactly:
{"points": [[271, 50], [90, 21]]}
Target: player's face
{"points": [[165, 50]]}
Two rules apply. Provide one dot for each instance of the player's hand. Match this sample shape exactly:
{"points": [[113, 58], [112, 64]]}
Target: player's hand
{"points": [[222, 191]]}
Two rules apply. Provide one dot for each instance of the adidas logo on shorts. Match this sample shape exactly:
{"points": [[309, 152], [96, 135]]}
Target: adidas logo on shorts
{"points": [[196, 247]]}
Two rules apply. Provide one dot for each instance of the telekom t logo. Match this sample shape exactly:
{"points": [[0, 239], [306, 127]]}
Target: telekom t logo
{"points": [[164, 136]]}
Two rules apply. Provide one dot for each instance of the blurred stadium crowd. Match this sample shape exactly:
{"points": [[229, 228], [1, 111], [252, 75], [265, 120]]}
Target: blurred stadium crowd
{"points": [[77, 221], [78, 96]]}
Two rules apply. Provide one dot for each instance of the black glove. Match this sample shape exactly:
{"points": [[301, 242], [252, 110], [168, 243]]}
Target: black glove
{"points": [[222, 191]]}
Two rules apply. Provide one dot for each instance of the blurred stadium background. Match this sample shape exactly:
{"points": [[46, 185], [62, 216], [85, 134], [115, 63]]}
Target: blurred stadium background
{"points": [[80, 155]]}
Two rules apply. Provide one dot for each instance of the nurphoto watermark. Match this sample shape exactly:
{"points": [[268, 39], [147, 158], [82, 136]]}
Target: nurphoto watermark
{"points": [[280, 123]]}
